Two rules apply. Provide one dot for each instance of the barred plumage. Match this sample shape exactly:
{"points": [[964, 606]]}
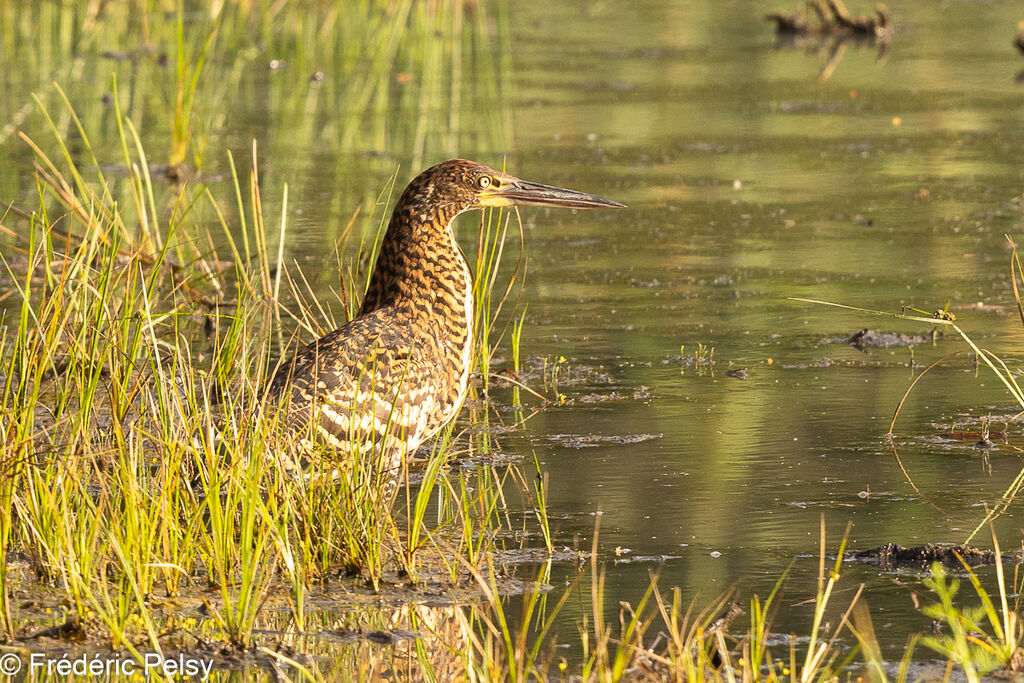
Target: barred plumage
{"points": [[398, 372]]}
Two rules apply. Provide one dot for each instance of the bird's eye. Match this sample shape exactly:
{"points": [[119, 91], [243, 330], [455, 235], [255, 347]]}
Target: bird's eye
{"points": [[483, 182]]}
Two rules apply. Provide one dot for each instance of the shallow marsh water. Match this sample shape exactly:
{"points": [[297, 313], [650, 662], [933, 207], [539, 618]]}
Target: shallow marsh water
{"points": [[750, 179]]}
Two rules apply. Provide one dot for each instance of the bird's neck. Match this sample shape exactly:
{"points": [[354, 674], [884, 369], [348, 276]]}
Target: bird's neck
{"points": [[420, 271]]}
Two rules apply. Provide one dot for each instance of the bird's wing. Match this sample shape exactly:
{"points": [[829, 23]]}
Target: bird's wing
{"points": [[361, 384]]}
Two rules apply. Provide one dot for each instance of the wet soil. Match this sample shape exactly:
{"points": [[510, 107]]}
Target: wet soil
{"points": [[187, 627]]}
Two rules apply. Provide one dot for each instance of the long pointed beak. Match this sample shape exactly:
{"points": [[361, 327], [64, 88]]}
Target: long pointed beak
{"points": [[515, 192]]}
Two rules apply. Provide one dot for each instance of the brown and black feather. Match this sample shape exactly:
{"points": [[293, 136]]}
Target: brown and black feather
{"points": [[398, 372]]}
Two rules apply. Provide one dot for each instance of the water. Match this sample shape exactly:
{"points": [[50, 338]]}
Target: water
{"points": [[750, 179]]}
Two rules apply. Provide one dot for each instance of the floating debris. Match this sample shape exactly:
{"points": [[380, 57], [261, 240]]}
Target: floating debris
{"points": [[974, 435], [895, 556], [378, 636], [865, 338], [983, 439], [985, 444], [644, 558], [832, 18], [832, 29], [523, 556], [595, 440]]}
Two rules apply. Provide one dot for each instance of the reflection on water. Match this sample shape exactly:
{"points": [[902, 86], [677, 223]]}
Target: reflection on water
{"points": [[749, 180]]}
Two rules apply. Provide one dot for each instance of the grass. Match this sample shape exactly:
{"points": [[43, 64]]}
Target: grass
{"points": [[663, 637], [980, 639], [703, 359], [191, 57], [987, 637], [129, 331], [119, 486], [122, 496], [121, 492], [1006, 376], [136, 312]]}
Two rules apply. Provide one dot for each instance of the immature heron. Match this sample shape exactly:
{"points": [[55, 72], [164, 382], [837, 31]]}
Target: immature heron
{"points": [[398, 372]]}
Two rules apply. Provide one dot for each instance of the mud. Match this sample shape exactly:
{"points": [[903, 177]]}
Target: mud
{"points": [[341, 613]]}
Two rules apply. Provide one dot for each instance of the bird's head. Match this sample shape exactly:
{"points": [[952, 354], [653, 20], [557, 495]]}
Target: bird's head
{"points": [[459, 185]]}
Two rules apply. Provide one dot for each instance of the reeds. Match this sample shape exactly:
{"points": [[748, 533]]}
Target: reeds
{"points": [[135, 462], [134, 465], [121, 485], [364, 77], [661, 636]]}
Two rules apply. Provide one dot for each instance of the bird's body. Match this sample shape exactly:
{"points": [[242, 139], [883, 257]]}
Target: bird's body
{"points": [[399, 371]]}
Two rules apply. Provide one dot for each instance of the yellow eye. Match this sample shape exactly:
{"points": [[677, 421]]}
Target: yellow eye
{"points": [[483, 182]]}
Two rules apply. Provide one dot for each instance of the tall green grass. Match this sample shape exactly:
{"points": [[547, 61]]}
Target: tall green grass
{"points": [[138, 465], [362, 79], [660, 636], [121, 487]]}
